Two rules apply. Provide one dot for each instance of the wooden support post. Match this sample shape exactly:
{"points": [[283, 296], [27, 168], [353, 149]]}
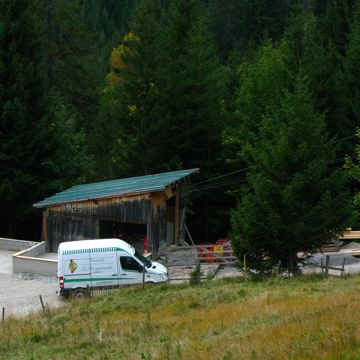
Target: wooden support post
{"points": [[177, 215], [97, 228], [343, 267], [3, 314], [44, 225]]}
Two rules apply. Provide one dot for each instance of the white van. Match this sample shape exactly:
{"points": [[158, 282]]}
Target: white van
{"points": [[103, 263]]}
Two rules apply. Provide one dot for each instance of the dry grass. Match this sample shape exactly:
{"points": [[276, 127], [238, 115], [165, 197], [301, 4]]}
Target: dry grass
{"points": [[306, 318]]}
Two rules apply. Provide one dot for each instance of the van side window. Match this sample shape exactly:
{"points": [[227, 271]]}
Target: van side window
{"points": [[128, 263]]}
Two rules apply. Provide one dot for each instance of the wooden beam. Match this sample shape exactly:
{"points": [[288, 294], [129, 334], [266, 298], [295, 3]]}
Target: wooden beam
{"points": [[189, 235], [177, 215], [44, 225]]}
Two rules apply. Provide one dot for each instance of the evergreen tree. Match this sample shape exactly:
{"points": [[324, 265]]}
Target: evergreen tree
{"points": [[264, 74], [350, 85], [192, 83], [163, 94], [21, 107], [352, 166], [38, 147], [296, 198], [262, 79], [325, 40], [109, 20], [127, 118], [74, 68], [243, 25], [109, 16]]}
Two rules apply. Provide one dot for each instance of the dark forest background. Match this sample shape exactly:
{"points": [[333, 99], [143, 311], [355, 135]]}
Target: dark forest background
{"points": [[261, 95]]}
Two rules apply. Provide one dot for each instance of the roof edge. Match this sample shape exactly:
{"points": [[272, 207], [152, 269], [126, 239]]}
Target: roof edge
{"points": [[39, 205]]}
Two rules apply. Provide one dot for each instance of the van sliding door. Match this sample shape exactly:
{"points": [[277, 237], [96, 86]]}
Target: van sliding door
{"points": [[104, 270]]}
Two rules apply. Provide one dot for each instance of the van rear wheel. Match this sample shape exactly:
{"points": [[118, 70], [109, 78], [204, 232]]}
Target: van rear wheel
{"points": [[80, 293]]}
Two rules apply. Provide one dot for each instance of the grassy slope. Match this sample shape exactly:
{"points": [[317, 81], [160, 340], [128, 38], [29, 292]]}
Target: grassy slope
{"points": [[305, 318]]}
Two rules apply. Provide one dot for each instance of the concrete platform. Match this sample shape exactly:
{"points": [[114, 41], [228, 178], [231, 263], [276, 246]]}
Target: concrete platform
{"points": [[6, 261]]}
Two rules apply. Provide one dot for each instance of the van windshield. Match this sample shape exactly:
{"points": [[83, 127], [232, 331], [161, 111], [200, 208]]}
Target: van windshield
{"points": [[143, 259]]}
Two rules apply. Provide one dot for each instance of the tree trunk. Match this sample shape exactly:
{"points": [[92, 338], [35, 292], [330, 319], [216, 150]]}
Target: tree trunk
{"points": [[292, 264], [50, 33]]}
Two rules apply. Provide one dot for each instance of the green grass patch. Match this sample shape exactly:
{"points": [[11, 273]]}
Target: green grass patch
{"points": [[301, 318]]}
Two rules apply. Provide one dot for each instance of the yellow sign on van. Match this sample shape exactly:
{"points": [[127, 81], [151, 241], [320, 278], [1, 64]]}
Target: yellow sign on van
{"points": [[72, 266]]}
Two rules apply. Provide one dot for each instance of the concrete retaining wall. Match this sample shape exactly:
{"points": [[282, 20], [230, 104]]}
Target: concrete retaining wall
{"points": [[26, 261], [15, 245], [25, 264]]}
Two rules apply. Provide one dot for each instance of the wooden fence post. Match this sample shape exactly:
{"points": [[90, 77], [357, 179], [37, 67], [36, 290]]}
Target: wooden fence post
{"points": [[3, 313], [143, 277], [42, 303], [327, 261]]}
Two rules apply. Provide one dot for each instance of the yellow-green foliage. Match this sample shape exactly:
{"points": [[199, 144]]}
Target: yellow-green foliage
{"points": [[304, 318], [117, 58]]}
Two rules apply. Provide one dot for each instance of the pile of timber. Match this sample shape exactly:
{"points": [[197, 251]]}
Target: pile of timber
{"points": [[183, 273], [205, 254], [350, 235], [330, 248]]}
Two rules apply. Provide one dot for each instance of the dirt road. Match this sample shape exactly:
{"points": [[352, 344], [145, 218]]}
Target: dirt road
{"points": [[19, 295]]}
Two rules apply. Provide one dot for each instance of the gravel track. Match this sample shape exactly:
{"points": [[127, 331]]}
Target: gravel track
{"points": [[19, 294]]}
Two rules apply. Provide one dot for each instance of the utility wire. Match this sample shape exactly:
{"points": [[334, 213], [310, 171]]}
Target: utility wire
{"points": [[220, 176], [215, 184], [244, 169]]}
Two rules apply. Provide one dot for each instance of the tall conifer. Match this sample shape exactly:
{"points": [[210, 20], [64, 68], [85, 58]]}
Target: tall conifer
{"points": [[38, 147]]}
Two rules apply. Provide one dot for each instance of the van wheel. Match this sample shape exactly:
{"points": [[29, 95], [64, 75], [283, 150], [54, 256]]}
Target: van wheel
{"points": [[65, 294], [80, 294]]}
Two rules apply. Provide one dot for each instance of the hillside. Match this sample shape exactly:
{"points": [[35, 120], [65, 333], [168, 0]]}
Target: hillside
{"points": [[305, 318], [95, 90]]}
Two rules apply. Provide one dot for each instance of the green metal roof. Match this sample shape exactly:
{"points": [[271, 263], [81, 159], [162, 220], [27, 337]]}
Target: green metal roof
{"points": [[113, 188]]}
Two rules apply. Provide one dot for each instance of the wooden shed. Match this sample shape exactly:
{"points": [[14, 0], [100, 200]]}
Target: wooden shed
{"points": [[147, 211]]}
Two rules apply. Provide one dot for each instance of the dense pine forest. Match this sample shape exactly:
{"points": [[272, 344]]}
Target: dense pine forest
{"points": [[262, 96]]}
